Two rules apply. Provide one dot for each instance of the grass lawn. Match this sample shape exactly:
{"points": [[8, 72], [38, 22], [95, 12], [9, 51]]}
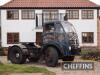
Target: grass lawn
{"points": [[6, 69]]}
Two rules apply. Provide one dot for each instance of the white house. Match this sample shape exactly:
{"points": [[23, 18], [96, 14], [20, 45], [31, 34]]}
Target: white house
{"points": [[22, 20]]}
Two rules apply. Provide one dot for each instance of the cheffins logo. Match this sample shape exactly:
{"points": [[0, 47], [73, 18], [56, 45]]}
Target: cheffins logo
{"points": [[78, 66]]}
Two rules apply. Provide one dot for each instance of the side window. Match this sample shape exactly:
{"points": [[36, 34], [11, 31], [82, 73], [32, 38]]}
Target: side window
{"points": [[49, 27], [28, 14], [59, 28], [87, 14], [50, 15], [87, 37], [72, 14], [12, 38], [12, 14]]}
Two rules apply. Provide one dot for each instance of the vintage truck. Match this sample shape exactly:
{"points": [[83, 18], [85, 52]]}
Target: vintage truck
{"points": [[59, 41]]}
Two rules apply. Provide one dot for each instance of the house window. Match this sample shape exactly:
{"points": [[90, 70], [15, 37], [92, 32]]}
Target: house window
{"points": [[12, 38], [50, 15], [12, 14], [87, 37], [87, 14], [72, 14], [28, 14]]}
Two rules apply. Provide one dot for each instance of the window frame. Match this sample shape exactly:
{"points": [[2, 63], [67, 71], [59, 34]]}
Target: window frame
{"points": [[51, 14], [13, 13], [87, 15], [88, 34], [71, 14], [11, 38], [27, 13]]}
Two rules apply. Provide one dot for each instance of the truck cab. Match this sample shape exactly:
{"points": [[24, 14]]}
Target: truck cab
{"points": [[60, 36], [63, 34]]}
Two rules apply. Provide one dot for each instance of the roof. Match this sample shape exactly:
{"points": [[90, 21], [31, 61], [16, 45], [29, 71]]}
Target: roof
{"points": [[50, 4]]}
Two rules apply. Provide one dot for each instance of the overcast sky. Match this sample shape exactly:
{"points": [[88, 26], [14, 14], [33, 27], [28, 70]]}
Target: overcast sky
{"points": [[4, 1]]}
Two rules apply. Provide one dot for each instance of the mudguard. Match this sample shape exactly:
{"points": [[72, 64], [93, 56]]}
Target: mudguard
{"points": [[23, 48], [54, 44]]}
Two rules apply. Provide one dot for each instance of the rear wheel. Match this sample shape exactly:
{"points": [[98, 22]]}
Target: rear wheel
{"points": [[51, 57], [68, 58], [16, 56]]}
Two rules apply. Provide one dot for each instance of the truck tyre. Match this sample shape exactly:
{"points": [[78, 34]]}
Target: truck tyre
{"points": [[51, 57], [16, 56], [68, 58]]}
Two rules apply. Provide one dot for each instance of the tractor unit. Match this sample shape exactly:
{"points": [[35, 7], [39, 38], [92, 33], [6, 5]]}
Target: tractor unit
{"points": [[59, 41]]}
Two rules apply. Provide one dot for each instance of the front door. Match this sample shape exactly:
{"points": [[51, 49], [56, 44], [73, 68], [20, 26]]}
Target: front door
{"points": [[38, 38]]}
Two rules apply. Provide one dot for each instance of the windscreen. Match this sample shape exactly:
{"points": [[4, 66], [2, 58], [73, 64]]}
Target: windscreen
{"points": [[69, 28]]}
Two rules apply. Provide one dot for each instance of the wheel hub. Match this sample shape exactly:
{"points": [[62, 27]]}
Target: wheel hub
{"points": [[17, 55]]}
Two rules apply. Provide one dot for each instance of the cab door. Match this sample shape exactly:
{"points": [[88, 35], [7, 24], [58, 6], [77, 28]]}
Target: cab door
{"points": [[48, 32]]}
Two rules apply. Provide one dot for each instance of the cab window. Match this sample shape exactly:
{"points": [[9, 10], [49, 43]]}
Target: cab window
{"points": [[49, 27]]}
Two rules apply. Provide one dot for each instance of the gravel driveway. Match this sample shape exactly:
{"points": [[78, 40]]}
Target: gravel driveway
{"points": [[58, 70]]}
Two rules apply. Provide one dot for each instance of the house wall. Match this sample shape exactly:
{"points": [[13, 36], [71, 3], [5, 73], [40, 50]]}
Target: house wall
{"points": [[28, 30], [0, 28], [25, 27], [98, 29]]}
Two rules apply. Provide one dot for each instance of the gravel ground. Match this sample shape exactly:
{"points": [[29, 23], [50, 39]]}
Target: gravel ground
{"points": [[58, 70]]}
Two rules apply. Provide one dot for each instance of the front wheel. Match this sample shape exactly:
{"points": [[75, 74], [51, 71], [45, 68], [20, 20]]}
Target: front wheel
{"points": [[51, 56], [68, 58]]}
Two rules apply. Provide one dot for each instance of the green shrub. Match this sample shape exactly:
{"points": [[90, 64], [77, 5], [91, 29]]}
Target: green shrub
{"points": [[91, 56]]}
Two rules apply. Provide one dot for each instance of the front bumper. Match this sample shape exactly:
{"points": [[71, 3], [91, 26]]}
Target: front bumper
{"points": [[75, 51], [72, 52]]}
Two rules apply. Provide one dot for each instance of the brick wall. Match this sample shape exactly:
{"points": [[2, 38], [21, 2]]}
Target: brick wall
{"points": [[98, 33]]}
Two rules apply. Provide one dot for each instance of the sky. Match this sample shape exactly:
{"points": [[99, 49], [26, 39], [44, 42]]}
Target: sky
{"points": [[4, 1]]}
